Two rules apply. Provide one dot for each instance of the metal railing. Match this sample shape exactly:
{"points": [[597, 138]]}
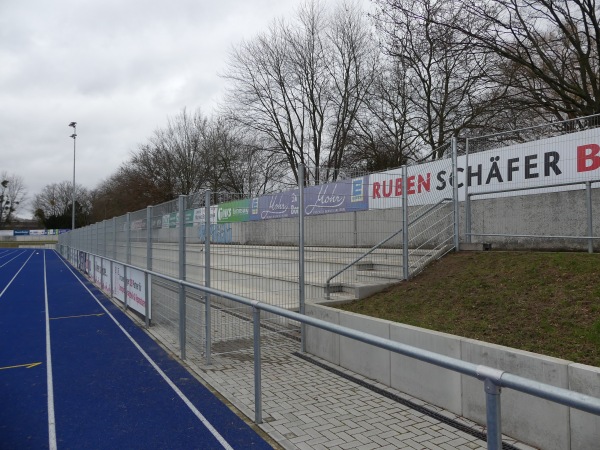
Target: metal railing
{"points": [[379, 244], [588, 207], [493, 379]]}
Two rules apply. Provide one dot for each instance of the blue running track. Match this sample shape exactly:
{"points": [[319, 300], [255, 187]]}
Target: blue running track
{"points": [[77, 373]]}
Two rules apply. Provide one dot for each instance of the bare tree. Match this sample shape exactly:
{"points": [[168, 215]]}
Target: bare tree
{"points": [[53, 206], [383, 138], [449, 83], [551, 49], [301, 85], [12, 194], [352, 68]]}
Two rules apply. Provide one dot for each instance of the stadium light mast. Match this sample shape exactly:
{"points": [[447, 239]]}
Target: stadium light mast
{"points": [[74, 136]]}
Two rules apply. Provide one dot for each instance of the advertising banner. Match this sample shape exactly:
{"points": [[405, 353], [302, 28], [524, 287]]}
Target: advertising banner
{"points": [[342, 196], [83, 262], [105, 285], [20, 232], [136, 287], [234, 211], [119, 282], [569, 158], [97, 270], [136, 291], [189, 218], [200, 214]]}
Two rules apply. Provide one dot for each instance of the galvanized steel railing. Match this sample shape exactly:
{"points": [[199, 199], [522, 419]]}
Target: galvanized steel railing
{"points": [[493, 379]]}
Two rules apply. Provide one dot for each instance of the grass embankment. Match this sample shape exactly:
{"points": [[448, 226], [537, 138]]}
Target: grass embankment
{"points": [[546, 303]]}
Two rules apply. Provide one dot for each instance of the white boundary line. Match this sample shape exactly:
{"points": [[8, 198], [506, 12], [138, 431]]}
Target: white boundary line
{"points": [[181, 395], [50, 383], [12, 259], [18, 271]]}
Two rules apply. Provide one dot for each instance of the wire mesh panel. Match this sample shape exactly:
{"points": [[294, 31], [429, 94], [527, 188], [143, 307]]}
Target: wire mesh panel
{"points": [[137, 236], [542, 193], [165, 259], [360, 232], [430, 198], [120, 242]]}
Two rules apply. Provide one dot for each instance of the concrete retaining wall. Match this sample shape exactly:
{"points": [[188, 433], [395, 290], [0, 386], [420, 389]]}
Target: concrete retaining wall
{"points": [[538, 422]]}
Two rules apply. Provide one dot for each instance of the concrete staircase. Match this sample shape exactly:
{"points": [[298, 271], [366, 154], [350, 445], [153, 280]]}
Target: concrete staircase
{"points": [[270, 273]]}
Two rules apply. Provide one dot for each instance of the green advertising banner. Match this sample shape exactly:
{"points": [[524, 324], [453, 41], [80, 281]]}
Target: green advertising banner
{"points": [[189, 218], [173, 219], [235, 211]]}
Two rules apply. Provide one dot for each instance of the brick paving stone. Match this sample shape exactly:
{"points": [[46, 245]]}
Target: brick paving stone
{"points": [[305, 406]]}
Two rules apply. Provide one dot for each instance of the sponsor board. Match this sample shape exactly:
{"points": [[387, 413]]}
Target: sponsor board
{"points": [[564, 159], [136, 287]]}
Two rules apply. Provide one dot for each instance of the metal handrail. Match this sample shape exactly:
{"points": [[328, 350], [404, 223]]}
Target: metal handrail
{"points": [[494, 379], [376, 246]]}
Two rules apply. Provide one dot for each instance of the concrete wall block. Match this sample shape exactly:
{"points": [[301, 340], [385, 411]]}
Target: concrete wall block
{"points": [[433, 384], [372, 362], [321, 343], [525, 417], [585, 427]]}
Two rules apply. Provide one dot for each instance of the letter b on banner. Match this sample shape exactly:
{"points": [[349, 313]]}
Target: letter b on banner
{"points": [[588, 157]]}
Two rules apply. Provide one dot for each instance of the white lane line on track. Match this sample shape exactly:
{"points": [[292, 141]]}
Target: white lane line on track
{"points": [[12, 259], [50, 383], [181, 395], [13, 278]]}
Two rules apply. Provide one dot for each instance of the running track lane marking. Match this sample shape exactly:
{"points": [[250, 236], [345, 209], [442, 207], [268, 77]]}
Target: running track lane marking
{"points": [[28, 366], [77, 317], [13, 278], [181, 395], [51, 418], [19, 254]]}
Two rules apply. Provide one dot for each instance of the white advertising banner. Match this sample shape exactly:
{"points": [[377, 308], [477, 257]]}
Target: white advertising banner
{"points": [[569, 158], [136, 291], [119, 282], [105, 286], [200, 214], [97, 271], [136, 287]]}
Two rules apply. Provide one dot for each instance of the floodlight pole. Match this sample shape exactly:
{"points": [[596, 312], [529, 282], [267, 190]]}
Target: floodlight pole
{"points": [[74, 136]]}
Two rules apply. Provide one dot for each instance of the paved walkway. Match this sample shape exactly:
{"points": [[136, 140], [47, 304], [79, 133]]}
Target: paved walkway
{"points": [[310, 404]]}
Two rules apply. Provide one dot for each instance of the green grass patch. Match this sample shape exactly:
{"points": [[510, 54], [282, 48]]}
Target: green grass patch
{"points": [[546, 303]]}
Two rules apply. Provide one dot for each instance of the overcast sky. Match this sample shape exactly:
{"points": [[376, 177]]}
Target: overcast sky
{"points": [[118, 68]]}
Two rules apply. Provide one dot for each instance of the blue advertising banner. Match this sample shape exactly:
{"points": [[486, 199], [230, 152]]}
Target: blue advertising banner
{"points": [[20, 232], [342, 196]]}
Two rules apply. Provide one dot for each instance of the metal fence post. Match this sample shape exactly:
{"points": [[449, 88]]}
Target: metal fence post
{"points": [[104, 239], [149, 238], [467, 197], [112, 286], [405, 266], [148, 278], [493, 415], [257, 367], [455, 194], [128, 239], [301, 287], [147, 300], [491, 378], [114, 224], [182, 311], [125, 286], [590, 225], [207, 316]]}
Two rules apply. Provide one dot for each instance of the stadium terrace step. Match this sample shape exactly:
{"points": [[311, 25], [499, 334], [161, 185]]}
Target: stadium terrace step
{"points": [[270, 273]]}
